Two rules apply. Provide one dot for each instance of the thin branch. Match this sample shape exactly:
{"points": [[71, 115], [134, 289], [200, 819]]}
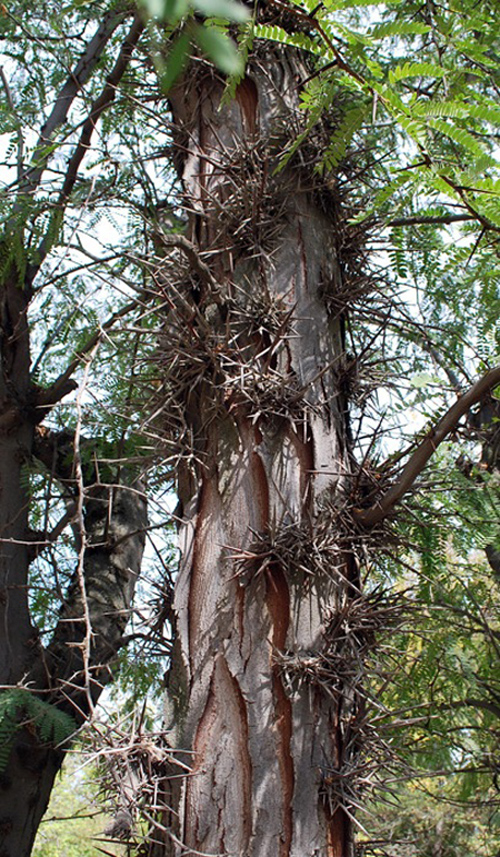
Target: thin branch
{"points": [[426, 219], [193, 257], [470, 702], [63, 522], [48, 538], [75, 81], [425, 449], [64, 384], [104, 100], [98, 107]]}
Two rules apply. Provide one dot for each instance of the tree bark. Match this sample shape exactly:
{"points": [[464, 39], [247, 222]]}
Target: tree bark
{"points": [[16, 439], [257, 414], [68, 675], [487, 423]]}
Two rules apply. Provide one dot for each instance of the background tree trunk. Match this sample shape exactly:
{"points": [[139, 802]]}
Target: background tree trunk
{"points": [[16, 440], [255, 362], [64, 679]]}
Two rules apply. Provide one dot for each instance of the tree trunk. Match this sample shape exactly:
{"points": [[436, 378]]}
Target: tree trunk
{"points": [[64, 680], [16, 438], [254, 367]]}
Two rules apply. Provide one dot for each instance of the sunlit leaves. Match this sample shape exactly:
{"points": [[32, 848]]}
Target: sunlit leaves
{"points": [[177, 59], [432, 85], [173, 10], [229, 10], [417, 69]]}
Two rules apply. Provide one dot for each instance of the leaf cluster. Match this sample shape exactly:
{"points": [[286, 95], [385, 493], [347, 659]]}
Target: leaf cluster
{"points": [[19, 709]]}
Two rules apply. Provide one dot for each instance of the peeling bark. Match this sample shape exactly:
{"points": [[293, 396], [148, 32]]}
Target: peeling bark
{"points": [[268, 441]]}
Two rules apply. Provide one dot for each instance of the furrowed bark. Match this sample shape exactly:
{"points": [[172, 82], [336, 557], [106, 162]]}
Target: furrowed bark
{"points": [[266, 460], [16, 439], [26, 779], [29, 773]]}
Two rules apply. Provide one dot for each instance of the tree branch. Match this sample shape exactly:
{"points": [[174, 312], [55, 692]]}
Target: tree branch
{"points": [[115, 524], [40, 539], [426, 219], [471, 702], [97, 108], [74, 83], [104, 100], [193, 257], [419, 458], [64, 384]]}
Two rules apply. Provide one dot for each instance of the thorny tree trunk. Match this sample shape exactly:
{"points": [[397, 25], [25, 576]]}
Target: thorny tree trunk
{"points": [[254, 369]]}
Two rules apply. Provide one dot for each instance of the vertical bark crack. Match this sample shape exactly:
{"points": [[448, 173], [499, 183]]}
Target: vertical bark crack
{"points": [[222, 773], [278, 603], [247, 97]]}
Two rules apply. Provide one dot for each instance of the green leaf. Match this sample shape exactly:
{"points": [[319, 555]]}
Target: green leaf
{"points": [[459, 135], [166, 10], [399, 28], [176, 60], [422, 379], [230, 10], [220, 49], [441, 109], [341, 139], [175, 10], [299, 40], [416, 69]]}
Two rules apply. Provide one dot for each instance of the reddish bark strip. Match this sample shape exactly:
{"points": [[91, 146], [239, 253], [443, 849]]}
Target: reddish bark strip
{"points": [[258, 476], [261, 489], [243, 760], [305, 456], [248, 100], [200, 745], [338, 838], [278, 603]]}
